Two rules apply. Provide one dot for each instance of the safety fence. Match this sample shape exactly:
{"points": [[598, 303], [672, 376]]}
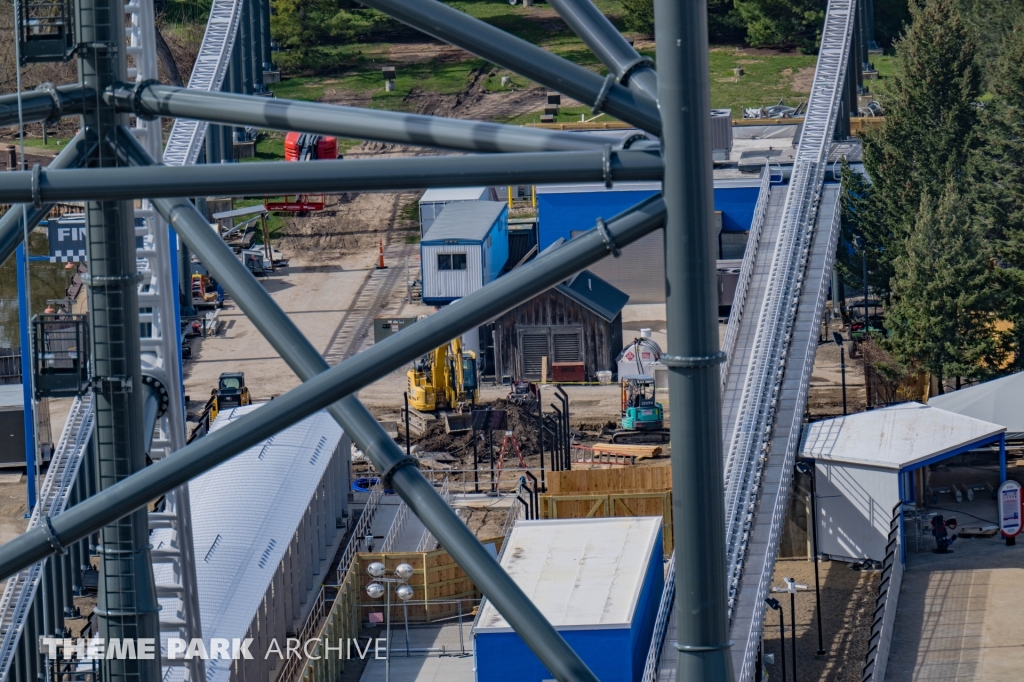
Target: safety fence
{"points": [[662, 621]]}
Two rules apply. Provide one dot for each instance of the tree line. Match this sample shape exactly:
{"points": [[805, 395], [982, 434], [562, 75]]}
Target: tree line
{"points": [[939, 216]]}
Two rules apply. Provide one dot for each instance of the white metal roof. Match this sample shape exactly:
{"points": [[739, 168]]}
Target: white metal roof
{"points": [[583, 574], [465, 221], [244, 514], [12, 397], [455, 194], [998, 401], [895, 437]]}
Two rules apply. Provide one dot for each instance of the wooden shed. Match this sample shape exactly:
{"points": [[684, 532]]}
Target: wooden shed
{"points": [[579, 320]]}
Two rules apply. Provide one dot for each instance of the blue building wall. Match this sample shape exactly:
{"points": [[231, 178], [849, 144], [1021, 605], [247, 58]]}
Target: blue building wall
{"points": [[647, 610], [562, 213], [504, 657], [614, 655]]}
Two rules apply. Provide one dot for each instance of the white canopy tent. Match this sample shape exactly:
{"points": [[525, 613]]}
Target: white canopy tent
{"points": [[997, 401], [864, 466]]}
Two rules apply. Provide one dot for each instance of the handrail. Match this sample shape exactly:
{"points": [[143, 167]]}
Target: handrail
{"points": [[746, 272], [372, 503], [427, 541], [665, 613], [397, 526], [876, 659]]}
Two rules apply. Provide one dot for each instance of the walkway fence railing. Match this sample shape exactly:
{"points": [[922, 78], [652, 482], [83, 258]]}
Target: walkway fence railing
{"points": [[886, 602], [661, 623]]}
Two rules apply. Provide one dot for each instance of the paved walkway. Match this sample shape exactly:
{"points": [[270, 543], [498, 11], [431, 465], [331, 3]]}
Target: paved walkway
{"points": [[961, 615]]}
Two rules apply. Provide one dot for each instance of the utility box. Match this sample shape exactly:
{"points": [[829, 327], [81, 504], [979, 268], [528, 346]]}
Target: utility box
{"points": [[568, 372], [728, 278], [721, 134], [597, 581], [12, 427], [385, 327]]}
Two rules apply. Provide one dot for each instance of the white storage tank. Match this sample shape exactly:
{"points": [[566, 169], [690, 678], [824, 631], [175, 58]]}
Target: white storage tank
{"points": [[639, 355]]}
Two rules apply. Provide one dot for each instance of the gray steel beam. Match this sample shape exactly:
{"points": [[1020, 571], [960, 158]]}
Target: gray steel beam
{"points": [[630, 67], [364, 429], [45, 103], [329, 119], [12, 230], [452, 26], [693, 357], [258, 179]]}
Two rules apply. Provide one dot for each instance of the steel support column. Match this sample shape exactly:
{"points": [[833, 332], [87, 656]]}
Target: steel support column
{"points": [[127, 604], [693, 356], [256, 49]]}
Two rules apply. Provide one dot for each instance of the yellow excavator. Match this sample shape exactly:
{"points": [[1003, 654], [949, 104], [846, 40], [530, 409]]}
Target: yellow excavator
{"points": [[446, 379]]}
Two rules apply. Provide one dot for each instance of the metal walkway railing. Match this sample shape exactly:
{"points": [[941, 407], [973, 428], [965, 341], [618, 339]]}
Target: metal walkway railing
{"points": [[20, 590]]}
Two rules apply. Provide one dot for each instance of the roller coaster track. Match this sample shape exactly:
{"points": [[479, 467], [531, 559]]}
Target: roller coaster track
{"points": [[765, 390], [187, 136]]}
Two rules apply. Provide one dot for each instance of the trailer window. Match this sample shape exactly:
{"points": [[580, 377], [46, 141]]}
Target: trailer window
{"points": [[451, 261]]}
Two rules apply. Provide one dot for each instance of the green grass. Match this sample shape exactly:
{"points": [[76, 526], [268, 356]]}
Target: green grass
{"points": [[767, 78], [56, 143]]}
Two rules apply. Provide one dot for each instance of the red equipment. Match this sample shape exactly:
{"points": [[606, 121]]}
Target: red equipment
{"points": [[306, 147], [509, 439]]}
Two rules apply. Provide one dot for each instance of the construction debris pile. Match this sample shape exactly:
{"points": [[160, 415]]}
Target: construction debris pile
{"points": [[521, 422]]}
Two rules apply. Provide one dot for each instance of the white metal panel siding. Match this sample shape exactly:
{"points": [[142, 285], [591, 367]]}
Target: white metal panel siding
{"points": [[451, 284], [639, 271], [855, 509]]}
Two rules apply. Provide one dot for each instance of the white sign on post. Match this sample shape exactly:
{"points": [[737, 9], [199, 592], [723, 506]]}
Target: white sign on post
{"points": [[1010, 508]]}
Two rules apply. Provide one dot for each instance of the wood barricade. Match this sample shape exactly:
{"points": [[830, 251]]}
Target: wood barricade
{"points": [[607, 493], [436, 577], [625, 479]]}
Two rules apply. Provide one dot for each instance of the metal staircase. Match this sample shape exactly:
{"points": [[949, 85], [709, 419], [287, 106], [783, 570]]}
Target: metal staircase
{"points": [[20, 590], [170, 527]]}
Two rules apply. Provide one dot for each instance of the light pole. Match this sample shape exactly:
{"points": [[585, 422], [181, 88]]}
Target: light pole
{"points": [[776, 606], [792, 587], [838, 338], [859, 242], [376, 590], [807, 468]]}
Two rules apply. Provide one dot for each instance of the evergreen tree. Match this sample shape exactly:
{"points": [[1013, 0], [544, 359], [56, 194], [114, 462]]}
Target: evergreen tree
{"points": [[930, 129], [783, 23], [859, 219], [999, 180], [945, 295]]}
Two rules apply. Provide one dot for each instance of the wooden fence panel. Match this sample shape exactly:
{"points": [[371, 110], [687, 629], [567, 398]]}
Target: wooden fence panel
{"points": [[624, 479], [612, 505]]}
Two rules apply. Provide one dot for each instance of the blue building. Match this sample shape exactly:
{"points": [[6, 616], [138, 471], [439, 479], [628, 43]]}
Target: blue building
{"points": [[565, 211], [597, 581]]}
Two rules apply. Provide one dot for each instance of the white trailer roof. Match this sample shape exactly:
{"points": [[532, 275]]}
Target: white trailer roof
{"points": [[454, 194], [244, 514], [583, 574], [997, 401], [896, 437]]}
